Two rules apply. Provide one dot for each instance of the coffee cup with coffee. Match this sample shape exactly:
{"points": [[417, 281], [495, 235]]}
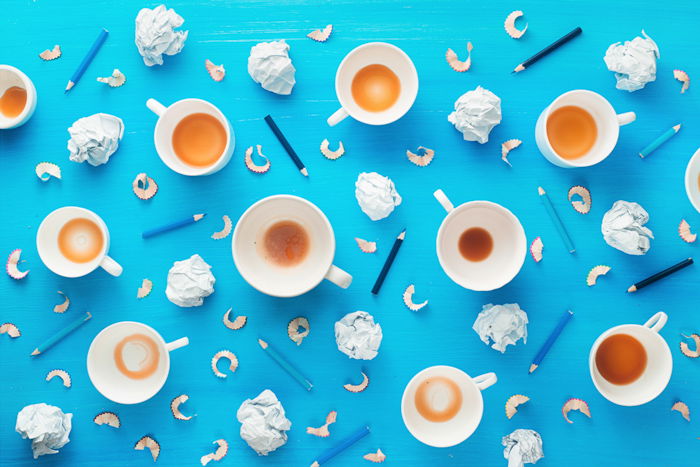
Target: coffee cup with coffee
{"points": [[17, 97]]}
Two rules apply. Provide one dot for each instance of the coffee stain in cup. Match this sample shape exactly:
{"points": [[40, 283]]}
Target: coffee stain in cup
{"points": [[13, 101], [438, 399], [621, 359], [375, 88], [151, 356], [286, 243], [475, 244], [571, 132], [80, 240], [199, 140]]}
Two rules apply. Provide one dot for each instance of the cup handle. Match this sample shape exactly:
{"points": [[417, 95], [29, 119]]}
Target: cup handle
{"points": [[443, 200], [625, 118], [339, 277], [111, 266], [657, 322], [484, 381], [181, 342], [339, 115], [155, 107]]}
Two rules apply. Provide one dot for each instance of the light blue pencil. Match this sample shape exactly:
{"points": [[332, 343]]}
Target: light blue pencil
{"points": [[172, 226], [659, 141], [286, 366], [563, 321], [341, 446], [556, 220], [101, 38], [51, 341]]}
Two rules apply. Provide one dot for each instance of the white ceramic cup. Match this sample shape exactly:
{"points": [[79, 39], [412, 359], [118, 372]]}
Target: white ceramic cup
{"points": [[463, 424], [169, 117], [111, 382], [658, 370], [9, 77], [692, 180], [281, 281], [374, 53], [50, 254], [509, 244], [607, 122]]}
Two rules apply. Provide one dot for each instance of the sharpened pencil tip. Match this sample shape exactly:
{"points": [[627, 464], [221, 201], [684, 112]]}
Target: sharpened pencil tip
{"points": [[35, 352], [262, 343], [304, 172], [540, 190], [677, 127], [632, 289], [402, 235], [533, 367]]}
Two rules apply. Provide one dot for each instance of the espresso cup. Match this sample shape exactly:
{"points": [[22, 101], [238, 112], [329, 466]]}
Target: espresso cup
{"points": [[286, 281], [692, 180], [50, 253], [169, 117], [111, 382], [466, 420], [11, 77], [374, 53], [509, 244], [656, 374], [607, 122]]}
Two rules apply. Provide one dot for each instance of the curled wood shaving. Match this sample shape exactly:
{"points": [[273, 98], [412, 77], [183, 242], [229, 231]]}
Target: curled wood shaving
{"points": [[408, 299], [455, 63], [107, 418], [595, 273], [513, 402], [508, 146], [51, 54], [223, 233], [332, 155], [575, 404], [237, 323], [62, 307], [151, 444], [358, 387], [219, 454], [293, 329], [322, 431], [175, 407], [63, 374], [10, 329], [321, 35], [682, 408], [46, 170], [509, 25], [376, 457], [224, 354], [145, 289]]}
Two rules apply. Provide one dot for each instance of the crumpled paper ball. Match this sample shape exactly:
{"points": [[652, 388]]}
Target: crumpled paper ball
{"points": [[358, 336], [476, 113], [269, 64], [503, 324], [46, 425], [522, 447], [633, 62], [189, 281], [95, 138], [263, 423], [623, 228], [156, 35], [376, 195]]}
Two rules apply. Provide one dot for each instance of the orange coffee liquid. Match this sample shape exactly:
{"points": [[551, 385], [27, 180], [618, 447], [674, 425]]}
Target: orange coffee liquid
{"points": [[80, 240], [199, 140], [438, 399], [621, 359], [571, 131], [13, 101], [375, 88], [475, 244], [148, 355], [286, 243]]}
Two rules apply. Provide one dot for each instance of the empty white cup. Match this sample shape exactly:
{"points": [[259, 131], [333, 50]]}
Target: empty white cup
{"points": [[658, 371], [169, 117], [692, 180], [111, 382], [607, 122], [10, 77], [463, 424], [374, 53], [509, 244], [286, 281], [50, 254]]}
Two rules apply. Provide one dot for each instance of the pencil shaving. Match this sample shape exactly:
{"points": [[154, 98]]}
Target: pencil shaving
{"points": [[582, 206], [454, 61], [62, 307], [145, 289], [46, 170], [366, 246], [107, 418], [507, 147], [376, 457], [685, 349], [575, 404], [509, 25], [51, 54], [536, 248], [151, 444], [682, 408], [683, 77], [117, 79], [217, 72], [217, 455], [237, 323], [512, 404], [175, 407], [332, 155], [321, 35], [144, 187], [10, 329], [224, 354], [298, 329], [223, 233], [595, 273], [252, 166], [423, 158], [322, 431], [684, 231], [408, 299], [63, 374], [358, 387], [12, 265]]}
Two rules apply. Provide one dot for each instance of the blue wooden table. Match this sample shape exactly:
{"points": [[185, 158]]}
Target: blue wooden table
{"points": [[224, 31]]}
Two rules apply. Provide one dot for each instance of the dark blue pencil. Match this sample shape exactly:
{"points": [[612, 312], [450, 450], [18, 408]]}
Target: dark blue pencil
{"points": [[389, 261], [285, 144], [175, 225], [101, 38], [341, 446], [551, 339]]}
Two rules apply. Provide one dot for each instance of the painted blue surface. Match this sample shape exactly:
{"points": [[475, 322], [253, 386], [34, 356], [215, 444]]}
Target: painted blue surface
{"points": [[224, 31]]}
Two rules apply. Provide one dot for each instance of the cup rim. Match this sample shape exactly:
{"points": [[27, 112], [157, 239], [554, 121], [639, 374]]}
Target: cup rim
{"points": [[162, 348], [195, 171], [413, 381], [357, 50], [618, 330], [490, 204], [31, 97], [247, 213], [689, 183]]}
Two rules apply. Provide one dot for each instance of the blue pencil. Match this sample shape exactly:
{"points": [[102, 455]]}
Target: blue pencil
{"points": [[556, 220], [175, 225], [659, 141], [286, 366], [101, 38], [341, 446], [51, 341], [563, 321]]}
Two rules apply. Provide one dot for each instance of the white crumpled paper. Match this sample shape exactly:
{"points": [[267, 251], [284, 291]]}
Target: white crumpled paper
{"points": [[476, 113], [46, 425], [522, 447], [623, 228], [263, 423], [156, 35], [503, 324], [189, 281], [95, 138], [269, 64], [376, 195], [358, 336], [633, 62]]}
